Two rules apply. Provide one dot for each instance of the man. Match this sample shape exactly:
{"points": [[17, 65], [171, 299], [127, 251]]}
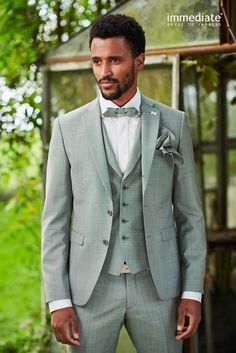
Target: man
{"points": [[123, 230]]}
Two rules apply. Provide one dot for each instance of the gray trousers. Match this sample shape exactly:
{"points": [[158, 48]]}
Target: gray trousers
{"points": [[129, 300]]}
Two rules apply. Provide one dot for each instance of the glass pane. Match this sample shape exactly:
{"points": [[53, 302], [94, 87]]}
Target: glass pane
{"points": [[188, 77], [156, 82], [208, 114], [211, 210], [231, 190], [231, 108], [71, 89], [77, 46], [210, 175], [162, 31], [210, 188]]}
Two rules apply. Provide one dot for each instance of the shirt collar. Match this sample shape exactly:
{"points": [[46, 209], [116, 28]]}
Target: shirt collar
{"points": [[134, 102]]}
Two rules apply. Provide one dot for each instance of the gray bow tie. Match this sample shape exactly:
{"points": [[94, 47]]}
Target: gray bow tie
{"points": [[117, 112]]}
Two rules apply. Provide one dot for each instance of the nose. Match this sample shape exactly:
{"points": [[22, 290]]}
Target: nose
{"points": [[106, 70]]}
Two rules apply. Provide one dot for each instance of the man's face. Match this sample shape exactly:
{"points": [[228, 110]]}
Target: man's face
{"points": [[115, 68]]}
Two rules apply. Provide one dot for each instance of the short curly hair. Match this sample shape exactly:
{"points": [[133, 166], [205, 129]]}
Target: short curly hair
{"points": [[120, 25]]}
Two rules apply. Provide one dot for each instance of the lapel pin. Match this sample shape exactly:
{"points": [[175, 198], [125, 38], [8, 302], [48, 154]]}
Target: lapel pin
{"points": [[153, 113]]}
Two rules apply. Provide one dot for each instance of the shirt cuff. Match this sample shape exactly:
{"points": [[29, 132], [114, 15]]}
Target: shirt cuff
{"points": [[59, 304], [192, 295]]}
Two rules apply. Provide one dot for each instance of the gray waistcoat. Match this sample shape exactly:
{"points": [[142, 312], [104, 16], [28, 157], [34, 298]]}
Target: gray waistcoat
{"points": [[127, 242]]}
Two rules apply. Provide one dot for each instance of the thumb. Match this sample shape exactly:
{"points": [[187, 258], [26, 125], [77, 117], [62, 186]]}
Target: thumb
{"points": [[181, 319], [74, 328]]}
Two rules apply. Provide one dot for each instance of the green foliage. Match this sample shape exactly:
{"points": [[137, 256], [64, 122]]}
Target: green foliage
{"points": [[21, 156], [207, 70], [20, 258], [27, 30], [20, 213], [208, 73], [30, 341], [18, 27]]}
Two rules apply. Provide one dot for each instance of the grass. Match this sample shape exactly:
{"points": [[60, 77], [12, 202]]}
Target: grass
{"points": [[20, 282], [125, 345]]}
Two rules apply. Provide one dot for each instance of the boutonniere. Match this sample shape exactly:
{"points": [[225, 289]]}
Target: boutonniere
{"points": [[165, 144]]}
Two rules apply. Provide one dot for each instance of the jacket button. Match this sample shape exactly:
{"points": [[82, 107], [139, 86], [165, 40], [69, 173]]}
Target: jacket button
{"points": [[125, 187], [124, 220], [124, 204], [109, 212], [105, 242]]}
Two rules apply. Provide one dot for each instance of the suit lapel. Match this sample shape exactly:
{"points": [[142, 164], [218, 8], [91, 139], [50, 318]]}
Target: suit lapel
{"points": [[150, 126], [92, 120]]}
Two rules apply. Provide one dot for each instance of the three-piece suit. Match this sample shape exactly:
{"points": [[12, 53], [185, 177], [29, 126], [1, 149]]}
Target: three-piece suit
{"points": [[96, 218]]}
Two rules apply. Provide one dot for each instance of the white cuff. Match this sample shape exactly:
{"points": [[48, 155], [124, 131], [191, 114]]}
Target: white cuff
{"points": [[59, 304], [192, 295]]}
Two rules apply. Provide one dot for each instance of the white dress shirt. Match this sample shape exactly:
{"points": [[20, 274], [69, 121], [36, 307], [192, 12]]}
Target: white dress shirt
{"points": [[121, 132]]}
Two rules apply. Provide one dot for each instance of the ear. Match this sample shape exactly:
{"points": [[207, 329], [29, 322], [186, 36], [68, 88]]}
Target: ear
{"points": [[139, 61]]}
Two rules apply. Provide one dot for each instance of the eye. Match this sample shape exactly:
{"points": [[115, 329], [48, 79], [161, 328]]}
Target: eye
{"points": [[96, 61], [116, 60]]}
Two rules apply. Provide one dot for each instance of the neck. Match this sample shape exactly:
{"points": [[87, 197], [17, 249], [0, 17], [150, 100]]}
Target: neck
{"points": [[122, 100]]}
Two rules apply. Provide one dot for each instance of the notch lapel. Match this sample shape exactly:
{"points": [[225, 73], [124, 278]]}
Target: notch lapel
{"points": [[92, 121], [150, 126]]}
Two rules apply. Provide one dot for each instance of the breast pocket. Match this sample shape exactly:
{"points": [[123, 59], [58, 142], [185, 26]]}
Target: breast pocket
{"points": [[163, 160]]}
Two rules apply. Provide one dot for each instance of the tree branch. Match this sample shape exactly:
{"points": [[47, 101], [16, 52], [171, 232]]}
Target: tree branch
{"points": [[58, 14]]}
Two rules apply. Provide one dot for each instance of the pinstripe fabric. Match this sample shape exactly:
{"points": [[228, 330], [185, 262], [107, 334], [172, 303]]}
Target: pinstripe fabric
{"points": [[129, 300]]}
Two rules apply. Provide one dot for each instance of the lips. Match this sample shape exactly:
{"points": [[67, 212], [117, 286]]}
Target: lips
{"points": [[107, 79], [107, 84]]}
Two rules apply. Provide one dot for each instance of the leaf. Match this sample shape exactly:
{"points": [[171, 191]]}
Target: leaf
{"points": [[209, 78]]}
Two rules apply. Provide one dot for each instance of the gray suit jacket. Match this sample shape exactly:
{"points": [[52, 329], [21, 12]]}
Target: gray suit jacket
{"points": [[77, 216]]}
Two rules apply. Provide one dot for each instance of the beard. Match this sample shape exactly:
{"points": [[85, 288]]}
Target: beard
{"points": [[121, 87]]}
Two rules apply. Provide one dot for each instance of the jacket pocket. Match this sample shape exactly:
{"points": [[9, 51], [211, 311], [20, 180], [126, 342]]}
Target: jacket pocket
{"points": [[77, 238], [168, 232]]}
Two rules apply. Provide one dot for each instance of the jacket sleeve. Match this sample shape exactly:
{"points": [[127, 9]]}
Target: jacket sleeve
{"points": [[56, 220], [189, 216]]}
